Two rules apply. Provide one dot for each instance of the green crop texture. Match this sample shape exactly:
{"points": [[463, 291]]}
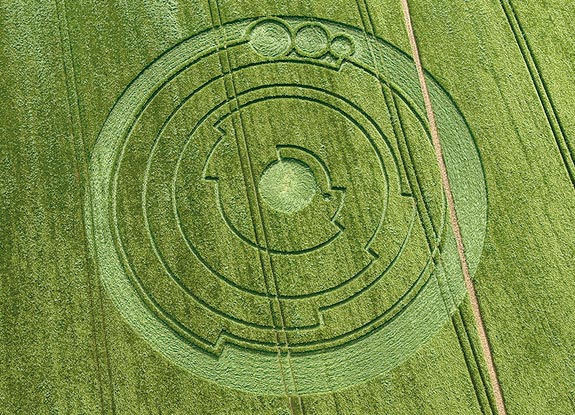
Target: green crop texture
{"points": [[236, 207]]}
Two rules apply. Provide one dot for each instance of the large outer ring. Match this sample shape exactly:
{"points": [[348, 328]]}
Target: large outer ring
{"points": [[326, 370]]}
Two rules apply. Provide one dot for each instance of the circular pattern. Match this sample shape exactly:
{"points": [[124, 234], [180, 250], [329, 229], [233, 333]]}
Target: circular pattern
{"points": [[312, 40], [287, 185], [267, 214], [342, 46], [271, 38], [295, 254]]}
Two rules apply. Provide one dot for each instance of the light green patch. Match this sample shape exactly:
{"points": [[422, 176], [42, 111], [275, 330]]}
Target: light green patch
{"points": [[287, 185], [312, 40], [271, 38], [341, 46]]}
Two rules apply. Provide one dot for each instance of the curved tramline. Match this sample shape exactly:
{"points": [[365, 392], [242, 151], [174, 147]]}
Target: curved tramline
{"points": [[256, 218]]}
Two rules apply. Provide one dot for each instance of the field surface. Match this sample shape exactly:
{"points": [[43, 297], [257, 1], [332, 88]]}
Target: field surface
{"points": [[303, 207]]}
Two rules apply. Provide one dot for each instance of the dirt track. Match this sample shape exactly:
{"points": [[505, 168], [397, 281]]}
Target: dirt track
{"points": [[485, 348]]}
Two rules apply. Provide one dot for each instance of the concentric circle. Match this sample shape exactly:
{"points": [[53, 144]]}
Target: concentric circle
{"points": [[269, 213]]}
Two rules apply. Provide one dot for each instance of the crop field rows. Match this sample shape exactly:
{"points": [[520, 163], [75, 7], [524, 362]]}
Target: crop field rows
{"points": [[287, 208]]}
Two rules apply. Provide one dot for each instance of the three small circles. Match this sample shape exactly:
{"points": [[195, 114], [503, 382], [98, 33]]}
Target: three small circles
{"points": [[273, 38]]}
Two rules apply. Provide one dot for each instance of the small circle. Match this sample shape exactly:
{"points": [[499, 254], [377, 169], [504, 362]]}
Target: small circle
{"points": [[287, 185], [270, 38], [342, 46], [312, 40]]}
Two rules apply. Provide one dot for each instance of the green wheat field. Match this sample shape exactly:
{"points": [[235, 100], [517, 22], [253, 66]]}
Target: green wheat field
{"points": [[287, 207]]}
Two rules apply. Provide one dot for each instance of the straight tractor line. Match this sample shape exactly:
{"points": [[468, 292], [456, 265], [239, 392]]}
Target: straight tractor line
{"points": [[432, 235], [486, 349], [565, 150], [82, 173], [424, 214], [256, 212]]}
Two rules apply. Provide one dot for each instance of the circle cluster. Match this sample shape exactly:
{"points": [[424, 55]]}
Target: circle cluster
{"points": [[273, 38]]}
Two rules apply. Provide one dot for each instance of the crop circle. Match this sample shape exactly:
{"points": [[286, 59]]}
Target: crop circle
{"points": [[265, 218]]}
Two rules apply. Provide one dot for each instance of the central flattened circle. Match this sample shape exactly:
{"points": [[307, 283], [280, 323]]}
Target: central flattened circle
{"points": [[287, 185]]}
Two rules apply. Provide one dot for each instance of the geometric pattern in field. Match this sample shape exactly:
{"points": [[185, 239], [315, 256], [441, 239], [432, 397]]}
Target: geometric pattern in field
{"points": [[274, 222]]}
